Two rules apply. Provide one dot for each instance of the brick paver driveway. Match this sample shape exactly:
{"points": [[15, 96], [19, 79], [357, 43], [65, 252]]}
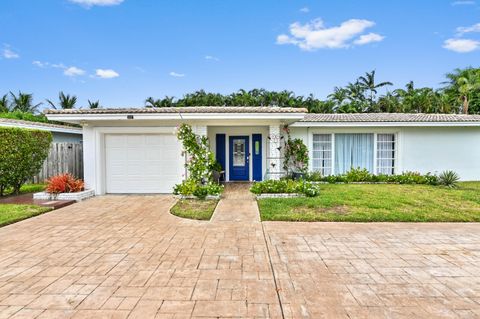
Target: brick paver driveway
{"points": [[125, 256]]}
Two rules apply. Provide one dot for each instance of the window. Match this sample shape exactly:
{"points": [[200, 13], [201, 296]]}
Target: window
{"points": [[386, 154], [322, 153], [353, 151]]}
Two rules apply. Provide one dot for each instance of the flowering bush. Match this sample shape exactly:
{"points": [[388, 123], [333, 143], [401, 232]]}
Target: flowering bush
{"points": [[285, 186], [200, 165], [64, 183], [295, 154], [200, 160]]}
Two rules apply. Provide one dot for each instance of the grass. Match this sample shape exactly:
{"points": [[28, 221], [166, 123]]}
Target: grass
{"points": [[11, 213], [379, 203], [27, 188], [194, 208]]}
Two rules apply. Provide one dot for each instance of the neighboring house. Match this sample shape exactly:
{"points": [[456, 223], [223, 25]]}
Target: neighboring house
{"points": [[60, 133], [136, 150]]}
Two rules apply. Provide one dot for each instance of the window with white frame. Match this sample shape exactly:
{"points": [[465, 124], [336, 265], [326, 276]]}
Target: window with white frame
{"points": [[322, 154], [386, 154]]}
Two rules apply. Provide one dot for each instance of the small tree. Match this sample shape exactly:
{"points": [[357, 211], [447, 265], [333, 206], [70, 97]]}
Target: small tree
{"points": [[22, 153]]}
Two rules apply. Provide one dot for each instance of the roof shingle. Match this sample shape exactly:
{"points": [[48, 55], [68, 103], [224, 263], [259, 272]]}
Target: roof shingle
{"points": [[187, 109], [390, 117]]}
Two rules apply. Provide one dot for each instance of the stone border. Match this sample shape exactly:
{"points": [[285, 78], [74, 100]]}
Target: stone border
{"points": [[79, 196], [209, 197], [279, 195]]}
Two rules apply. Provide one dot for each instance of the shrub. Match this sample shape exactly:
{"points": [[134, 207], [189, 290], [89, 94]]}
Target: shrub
{"points": [[285, 186], [357, 175], [22, 153], [448, 179], [64, 183], [190, 187], [314, 177]]}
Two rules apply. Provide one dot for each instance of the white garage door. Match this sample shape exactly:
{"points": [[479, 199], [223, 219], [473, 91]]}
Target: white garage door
{"points": [[150, 163]]}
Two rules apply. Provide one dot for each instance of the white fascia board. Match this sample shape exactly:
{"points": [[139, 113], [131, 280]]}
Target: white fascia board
{"points": [[43, 128], [384, 124], [77, 118]]}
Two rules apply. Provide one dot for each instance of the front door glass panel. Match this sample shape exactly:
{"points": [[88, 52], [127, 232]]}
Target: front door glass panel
{"points": [[238, 152]]}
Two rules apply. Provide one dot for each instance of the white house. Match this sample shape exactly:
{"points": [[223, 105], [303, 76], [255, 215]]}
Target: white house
{"points": [[136, 150]]}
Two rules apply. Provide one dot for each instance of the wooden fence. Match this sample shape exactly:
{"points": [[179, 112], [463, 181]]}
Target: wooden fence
{"points": [[62, 158]]}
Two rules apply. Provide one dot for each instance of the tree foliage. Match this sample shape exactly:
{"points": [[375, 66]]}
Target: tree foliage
{"points": [[460, 95], [22, 153]]}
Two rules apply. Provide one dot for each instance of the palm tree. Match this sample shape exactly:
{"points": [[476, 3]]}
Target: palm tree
{"points": [[4, 104], [463, 84], [151, 102], [338, 96], [66, 101], [368, 83], [23, 102], [93, 105]]}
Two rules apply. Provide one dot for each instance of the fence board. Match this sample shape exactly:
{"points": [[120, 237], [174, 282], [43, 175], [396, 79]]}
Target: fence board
{"points": [[62, 158]]}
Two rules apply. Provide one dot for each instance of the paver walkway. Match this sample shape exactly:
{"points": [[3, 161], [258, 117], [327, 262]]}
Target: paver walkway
{"points": [[237, 205], [126, 256]]}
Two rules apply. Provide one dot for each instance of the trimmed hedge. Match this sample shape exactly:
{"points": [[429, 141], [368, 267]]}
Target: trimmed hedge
{"points": [[22, 153]]}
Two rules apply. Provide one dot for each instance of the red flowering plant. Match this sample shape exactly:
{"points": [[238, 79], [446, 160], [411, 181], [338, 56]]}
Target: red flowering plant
{"points": [[64, 183]]}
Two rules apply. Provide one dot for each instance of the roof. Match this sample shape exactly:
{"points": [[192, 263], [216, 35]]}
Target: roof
{"points": [[40, 126], [183, 110], [390, 117]]}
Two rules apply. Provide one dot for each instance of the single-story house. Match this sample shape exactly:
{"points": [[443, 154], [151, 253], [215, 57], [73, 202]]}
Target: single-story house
{"points": [[136, 150], [60, 133]]}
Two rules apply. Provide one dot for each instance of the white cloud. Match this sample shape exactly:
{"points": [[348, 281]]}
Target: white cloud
{"points": [[305, 10], [463, 3], [91, 3], [9, 53], [470, 29], [314, 35], [73, 71], [211, 57], [461, 45], [177, 75], [40, 64], [106, 73], [369, 38]]}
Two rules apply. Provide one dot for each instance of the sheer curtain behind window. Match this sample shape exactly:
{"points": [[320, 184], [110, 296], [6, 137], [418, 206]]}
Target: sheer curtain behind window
{"points": [[353, 151]]}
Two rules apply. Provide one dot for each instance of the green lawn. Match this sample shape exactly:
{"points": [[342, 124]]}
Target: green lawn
{"points": [[194, 208], [11, 213], [379, 203], [27, 188]]}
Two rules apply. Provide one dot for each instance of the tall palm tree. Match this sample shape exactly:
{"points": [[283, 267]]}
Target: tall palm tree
{"points": [[23, 102], [368, 83], [463, 84], [4, 104], [65, 101]]}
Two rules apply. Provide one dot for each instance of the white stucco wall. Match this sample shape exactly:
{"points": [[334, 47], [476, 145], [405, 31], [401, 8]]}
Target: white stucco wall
{"points": [[438, 149], [421, 149]]}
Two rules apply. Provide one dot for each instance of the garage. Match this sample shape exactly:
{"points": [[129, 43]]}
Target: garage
{"points": [[142, 163]]}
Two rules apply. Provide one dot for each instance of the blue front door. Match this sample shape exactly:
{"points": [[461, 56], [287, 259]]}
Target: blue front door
{"points": [[239, 156]]}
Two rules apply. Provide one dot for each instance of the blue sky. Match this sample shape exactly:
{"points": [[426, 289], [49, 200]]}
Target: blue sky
{"points": [[121, 52]]}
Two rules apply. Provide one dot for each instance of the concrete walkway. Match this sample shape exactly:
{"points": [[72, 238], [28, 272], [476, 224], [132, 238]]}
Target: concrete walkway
{"points": [[126, 256]]}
